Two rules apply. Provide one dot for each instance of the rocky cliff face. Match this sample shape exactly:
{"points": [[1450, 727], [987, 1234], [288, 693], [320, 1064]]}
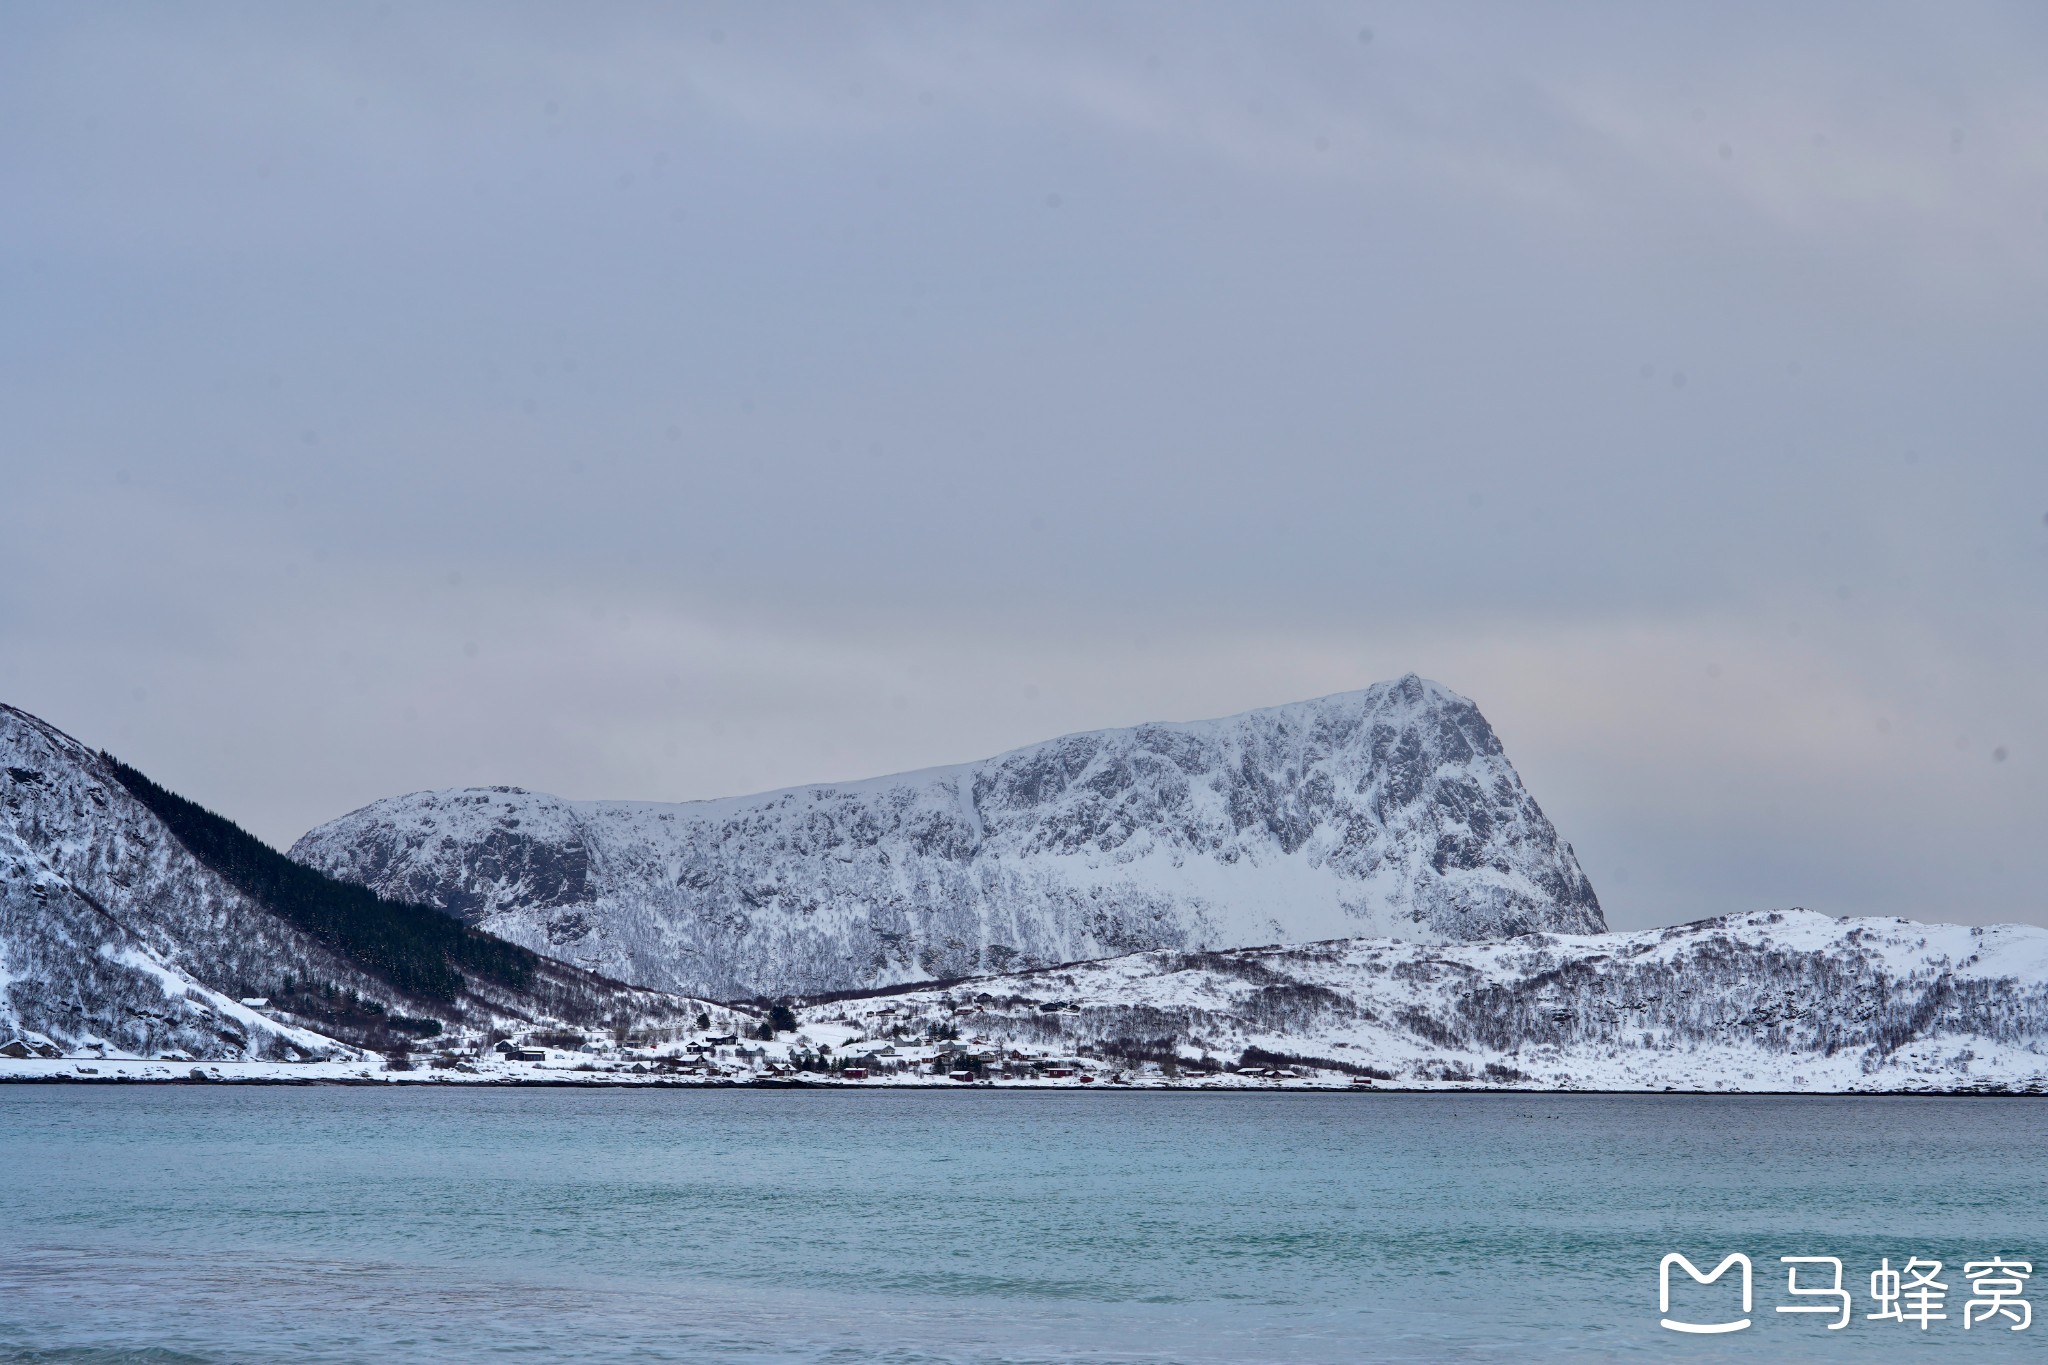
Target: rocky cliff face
{"points": [[1390, 811]]}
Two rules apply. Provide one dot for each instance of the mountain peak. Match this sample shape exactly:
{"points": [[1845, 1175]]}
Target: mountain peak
{"points": [[1389, 810]]}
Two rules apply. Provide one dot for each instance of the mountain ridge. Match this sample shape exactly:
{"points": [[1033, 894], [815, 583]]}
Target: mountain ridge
{"points": [[1763, 1001]]}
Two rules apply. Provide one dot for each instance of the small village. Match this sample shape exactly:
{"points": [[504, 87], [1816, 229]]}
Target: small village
{"points": [[926, 1043], [837, 1054]]}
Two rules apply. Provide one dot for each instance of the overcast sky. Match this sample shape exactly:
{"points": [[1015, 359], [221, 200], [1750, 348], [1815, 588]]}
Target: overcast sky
{"points": [[672, 402]]}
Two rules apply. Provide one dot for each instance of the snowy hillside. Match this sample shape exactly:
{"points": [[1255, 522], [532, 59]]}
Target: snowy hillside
{"points": [[72, 976], [1391, 811], [1775, 1001], [116, 936]]}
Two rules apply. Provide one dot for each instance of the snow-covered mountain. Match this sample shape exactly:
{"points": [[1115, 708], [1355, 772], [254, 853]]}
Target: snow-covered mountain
{"points": [[1390, 811], [134, 923], [118, 932], [1780, 1001]]}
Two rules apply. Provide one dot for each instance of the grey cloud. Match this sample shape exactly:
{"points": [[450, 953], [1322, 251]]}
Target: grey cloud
{"points": [[757, 331]]}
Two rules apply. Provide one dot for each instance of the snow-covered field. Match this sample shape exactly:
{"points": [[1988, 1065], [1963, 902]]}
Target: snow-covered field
{"points": [[373, 1071], [1731, 1070]]}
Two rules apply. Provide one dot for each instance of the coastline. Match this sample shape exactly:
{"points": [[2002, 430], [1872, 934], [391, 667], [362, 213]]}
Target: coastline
{"points": [[72, 1071]]}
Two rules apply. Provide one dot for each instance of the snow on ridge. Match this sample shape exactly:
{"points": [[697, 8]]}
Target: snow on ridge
{"points": [[1400, 697], [1389, 810]]}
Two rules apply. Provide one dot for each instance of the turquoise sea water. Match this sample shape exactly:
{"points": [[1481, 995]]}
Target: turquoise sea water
{"points": [[254, 1224]]}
